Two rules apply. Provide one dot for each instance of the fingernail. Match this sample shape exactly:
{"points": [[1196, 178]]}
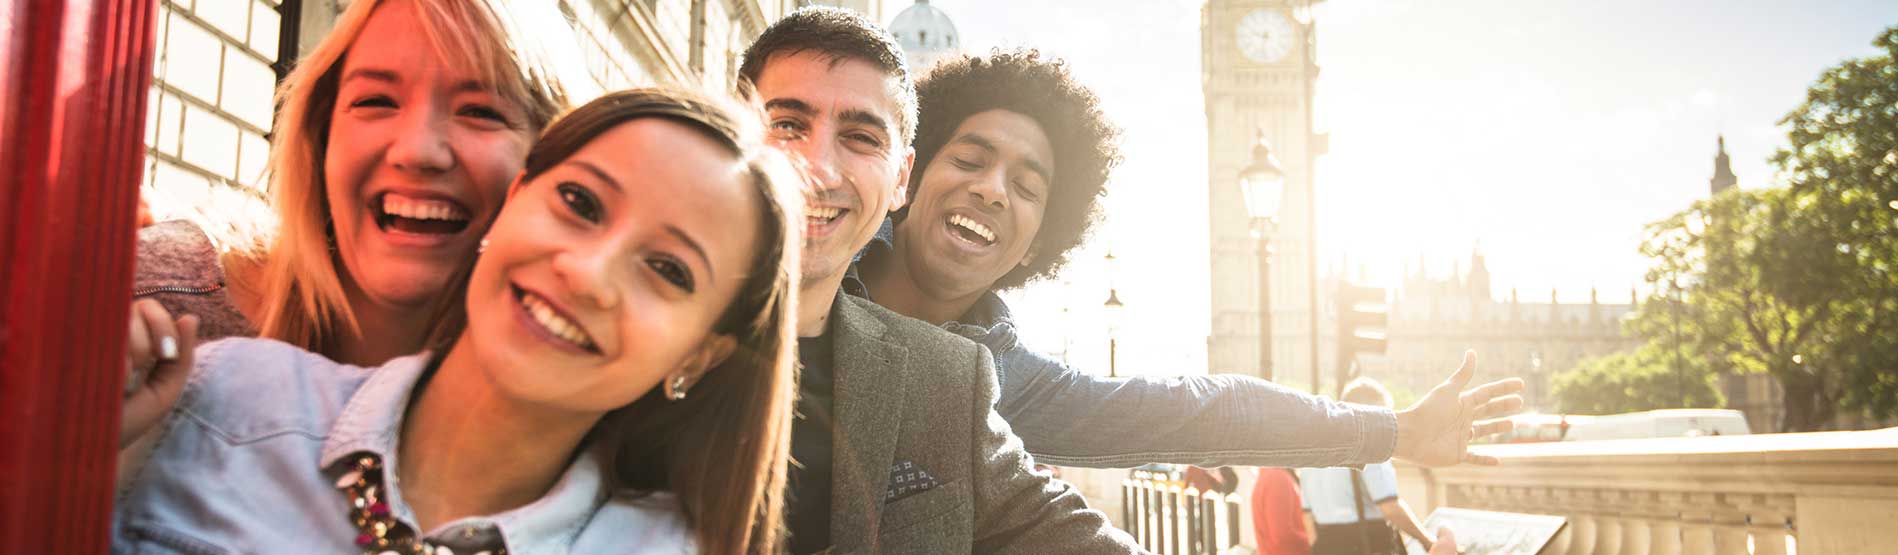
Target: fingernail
{"points": [[167, 348]]}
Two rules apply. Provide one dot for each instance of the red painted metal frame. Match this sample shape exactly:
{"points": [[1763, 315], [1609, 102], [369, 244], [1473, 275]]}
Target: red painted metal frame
{"points": [[74, 76]]}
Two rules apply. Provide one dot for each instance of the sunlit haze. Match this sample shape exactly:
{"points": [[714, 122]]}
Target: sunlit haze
{"points": [[1547, 132]]}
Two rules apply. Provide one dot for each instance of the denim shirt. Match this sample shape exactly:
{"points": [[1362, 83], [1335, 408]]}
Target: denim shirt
{"points": [[1072, 418], [249, 459]]}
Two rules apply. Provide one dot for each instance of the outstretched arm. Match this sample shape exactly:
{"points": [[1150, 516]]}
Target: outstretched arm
{"points": [[1073, 418], [1020, 510]]}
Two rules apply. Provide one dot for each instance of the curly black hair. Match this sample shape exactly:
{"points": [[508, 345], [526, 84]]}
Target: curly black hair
{"points": [[840, 34], [1086, 145]]}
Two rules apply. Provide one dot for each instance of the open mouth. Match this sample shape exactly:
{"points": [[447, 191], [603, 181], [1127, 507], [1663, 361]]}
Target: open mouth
{"points": [[550, 320], [821, 217], [396, 212], [970, 230]]}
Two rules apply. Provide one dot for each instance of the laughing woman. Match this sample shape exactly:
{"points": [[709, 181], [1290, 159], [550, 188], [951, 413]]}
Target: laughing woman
{"points": [[392, 149], [616, 378]]}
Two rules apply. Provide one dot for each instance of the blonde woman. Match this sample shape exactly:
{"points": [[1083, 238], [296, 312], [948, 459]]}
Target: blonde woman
{"points": [[392, 148], [617, 378]]}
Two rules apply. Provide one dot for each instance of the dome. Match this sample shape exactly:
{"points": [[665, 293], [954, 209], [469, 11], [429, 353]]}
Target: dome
{"points": [[926, 35]]}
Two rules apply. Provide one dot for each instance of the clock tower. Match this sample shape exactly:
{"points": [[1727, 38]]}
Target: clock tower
{"points": [[1256, 72]]}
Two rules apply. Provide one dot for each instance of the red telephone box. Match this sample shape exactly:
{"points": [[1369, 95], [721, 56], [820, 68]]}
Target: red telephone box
{"points": [[73, 82]]}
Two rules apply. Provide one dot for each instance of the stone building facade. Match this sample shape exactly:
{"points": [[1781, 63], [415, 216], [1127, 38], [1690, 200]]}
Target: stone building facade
{"points": [[1434, 319]]}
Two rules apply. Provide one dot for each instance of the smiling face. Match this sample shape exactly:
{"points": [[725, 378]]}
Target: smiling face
{"points": [[417, 161], [978, 205], [839, 116], [606, 273]]}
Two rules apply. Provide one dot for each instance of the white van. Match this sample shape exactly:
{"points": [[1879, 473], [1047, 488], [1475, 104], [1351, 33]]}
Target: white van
{"points": [[1659, 423]]}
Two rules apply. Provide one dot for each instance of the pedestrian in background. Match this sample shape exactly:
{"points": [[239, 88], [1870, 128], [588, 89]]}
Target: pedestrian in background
{"points": [[1358, 511]]}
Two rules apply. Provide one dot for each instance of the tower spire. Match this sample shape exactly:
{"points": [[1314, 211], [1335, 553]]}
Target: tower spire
{"points": [[1723, 177]]}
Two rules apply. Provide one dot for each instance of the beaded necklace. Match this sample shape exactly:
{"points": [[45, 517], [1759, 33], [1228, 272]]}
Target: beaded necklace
{"points": [[379, 533]]}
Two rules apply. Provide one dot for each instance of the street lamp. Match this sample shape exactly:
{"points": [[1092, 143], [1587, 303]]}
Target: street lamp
{"points": [[1263, 184], [1113, 308]]}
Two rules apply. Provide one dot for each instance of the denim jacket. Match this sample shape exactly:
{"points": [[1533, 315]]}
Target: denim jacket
{"points": [[249, 459], [1072, 418]]}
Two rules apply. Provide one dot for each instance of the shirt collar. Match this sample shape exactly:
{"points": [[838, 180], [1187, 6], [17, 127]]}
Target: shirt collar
{"points": [[370, 423]]}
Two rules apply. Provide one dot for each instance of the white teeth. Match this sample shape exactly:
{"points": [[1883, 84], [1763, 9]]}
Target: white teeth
{"points": [[421, 209], [822, 212], [974, 226], [550, 319]]}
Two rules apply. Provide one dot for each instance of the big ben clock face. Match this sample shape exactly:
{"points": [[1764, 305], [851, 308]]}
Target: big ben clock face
{"points": [[1265, 36]]}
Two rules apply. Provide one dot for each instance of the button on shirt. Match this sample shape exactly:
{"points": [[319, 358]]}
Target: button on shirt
{"points": [[249, 459], [1328, 492]]}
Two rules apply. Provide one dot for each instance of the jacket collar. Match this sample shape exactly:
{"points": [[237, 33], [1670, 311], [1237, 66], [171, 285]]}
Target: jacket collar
{"points": [[870, 370], [371, 422]]}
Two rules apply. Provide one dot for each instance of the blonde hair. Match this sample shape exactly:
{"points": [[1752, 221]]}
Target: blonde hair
{"points": [[1366, 391], [294, 273]]}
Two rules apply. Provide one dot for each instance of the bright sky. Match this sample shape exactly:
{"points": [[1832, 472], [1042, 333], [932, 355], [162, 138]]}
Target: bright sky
{"points": [[1548, 131]]}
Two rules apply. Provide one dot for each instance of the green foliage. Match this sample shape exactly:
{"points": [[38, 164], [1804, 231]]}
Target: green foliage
{"points": [[1645, 379], [1798, 282]]}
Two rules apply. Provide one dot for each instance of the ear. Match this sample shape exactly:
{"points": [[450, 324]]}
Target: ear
{"points": [[902, 181], [711, 353], [520, 180]]}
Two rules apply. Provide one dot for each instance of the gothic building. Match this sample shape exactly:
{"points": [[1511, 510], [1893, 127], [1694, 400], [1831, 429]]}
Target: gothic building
{"points": [[1257, 73], [1434, 319]]}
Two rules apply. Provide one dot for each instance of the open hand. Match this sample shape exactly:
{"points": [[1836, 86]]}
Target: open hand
{"points": [[158, 359], [1437, 430]]}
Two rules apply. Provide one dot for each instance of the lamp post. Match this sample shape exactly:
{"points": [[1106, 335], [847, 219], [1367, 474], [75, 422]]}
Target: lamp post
{"points": [[1263, 184], [1113, 308]]}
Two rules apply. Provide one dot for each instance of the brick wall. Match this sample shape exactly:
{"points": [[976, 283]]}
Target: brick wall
{"points": [[210, 109]]}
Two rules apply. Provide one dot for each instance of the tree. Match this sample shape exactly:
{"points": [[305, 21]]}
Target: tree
{"points": [[1798, 282], [1634, 381]]}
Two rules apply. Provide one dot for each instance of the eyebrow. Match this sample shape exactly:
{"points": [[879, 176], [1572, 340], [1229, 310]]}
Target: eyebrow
{"points": [[373, 74], [390, 76], [979, 141], [710, 274], [856, 116], [791, 104]]}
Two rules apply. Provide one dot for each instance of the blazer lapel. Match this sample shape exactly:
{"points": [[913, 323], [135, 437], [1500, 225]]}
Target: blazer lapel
{"points": [[869, 408]]}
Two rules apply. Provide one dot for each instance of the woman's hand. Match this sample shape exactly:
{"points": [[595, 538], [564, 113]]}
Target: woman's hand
{"points": [[158, 359]]}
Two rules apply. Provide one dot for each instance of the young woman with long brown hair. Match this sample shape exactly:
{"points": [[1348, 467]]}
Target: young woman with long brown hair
{"points": [[616, 376]]}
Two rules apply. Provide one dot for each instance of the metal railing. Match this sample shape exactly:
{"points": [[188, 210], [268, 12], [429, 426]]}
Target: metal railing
{"points": [[1169, 517]]}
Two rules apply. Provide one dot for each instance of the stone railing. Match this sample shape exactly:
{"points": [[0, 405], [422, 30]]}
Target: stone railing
{"points": [[1831, 492]]}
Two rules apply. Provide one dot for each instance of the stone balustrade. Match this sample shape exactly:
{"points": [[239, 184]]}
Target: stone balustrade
{"points": [[1830, 492]]}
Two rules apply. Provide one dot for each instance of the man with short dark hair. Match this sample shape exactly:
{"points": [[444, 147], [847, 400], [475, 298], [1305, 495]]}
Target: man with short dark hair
{"points": [[1012, 156], [897, 446]]}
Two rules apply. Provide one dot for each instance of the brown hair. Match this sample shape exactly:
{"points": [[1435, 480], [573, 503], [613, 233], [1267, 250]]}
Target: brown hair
{"points": [[294, 272], [722, 450]]}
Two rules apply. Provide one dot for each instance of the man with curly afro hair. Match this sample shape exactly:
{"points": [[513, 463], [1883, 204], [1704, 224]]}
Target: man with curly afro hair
{"points": [[1012, 154]]}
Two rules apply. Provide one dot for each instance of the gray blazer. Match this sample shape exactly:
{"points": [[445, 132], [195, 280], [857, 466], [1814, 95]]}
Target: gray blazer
{"points": [[913, 405]]}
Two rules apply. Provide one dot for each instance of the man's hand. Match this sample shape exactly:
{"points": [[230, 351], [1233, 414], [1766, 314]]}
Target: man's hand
{"points": [[1446, 543], [1437, 430]]}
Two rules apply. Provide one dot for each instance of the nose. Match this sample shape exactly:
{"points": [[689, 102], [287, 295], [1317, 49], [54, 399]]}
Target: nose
{"points": [[819, 162], [589, 272], [991, 190], [421, 143]]}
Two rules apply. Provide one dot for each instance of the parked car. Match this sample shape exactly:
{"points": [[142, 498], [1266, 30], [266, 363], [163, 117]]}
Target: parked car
{"points": [[1659, 423]]}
